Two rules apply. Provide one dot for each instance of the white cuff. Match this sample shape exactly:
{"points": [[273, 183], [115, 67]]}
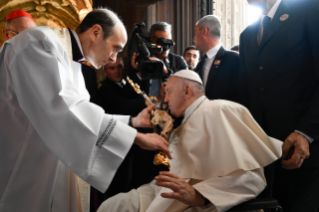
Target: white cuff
{"points": [[115, 140]]}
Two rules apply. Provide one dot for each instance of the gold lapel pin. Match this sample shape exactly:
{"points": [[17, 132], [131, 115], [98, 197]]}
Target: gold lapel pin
{"points": [[217, 62]]}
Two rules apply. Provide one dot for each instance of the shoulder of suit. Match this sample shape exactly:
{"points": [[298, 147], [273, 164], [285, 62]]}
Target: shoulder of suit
{"points": [[230, 52], [248, 29], [176, 56]]}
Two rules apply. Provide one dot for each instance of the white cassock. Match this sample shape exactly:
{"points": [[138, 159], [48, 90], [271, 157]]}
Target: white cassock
{"points": [[220, 150], [47, 123]]}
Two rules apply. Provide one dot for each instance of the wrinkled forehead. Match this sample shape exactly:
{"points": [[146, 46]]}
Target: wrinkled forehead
{"points": [[171, 83]]}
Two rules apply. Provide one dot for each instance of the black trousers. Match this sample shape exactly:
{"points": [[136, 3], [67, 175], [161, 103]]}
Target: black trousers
{"points": [[297, 190]]}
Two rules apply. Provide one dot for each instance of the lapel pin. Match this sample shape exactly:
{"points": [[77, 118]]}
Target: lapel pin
{"points": [[284, 17], [217, 62]]}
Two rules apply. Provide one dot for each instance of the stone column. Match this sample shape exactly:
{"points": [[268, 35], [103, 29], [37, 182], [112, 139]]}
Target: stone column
{"points": [[232, 14]]}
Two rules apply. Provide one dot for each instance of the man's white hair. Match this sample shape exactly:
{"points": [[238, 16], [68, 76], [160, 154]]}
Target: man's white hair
{"points": [[198, 88], [7, 23], [212, 23]]}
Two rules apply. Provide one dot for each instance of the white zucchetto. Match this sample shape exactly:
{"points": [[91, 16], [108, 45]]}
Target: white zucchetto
{"points": [[190, 75]]}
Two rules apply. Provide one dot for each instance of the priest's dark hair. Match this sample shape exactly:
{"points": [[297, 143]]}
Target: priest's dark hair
{"points": [[106, 18]]}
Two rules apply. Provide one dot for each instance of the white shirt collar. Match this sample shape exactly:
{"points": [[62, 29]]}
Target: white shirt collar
{"points": [[271, 13], [122, 83], [213, 51], [79, 44]]}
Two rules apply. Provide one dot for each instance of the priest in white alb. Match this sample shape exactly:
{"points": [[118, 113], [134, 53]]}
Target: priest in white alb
{"points": [[47, 122], [218, 151]]}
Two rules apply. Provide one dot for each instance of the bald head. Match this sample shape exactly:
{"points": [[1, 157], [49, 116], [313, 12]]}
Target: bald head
{"points": [[102, 36], [17, 25], [181, 93], [107, 19]]}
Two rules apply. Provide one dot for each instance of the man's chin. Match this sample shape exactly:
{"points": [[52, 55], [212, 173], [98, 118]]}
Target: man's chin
{"points": [[94, 64]]}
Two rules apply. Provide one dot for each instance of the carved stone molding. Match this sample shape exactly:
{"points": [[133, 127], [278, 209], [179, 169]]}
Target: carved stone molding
{"points": [[52, 13]]}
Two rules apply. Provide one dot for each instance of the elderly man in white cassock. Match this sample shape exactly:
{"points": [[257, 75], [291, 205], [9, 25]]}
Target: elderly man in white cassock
{"points": [[47, 121], [218, 151]]}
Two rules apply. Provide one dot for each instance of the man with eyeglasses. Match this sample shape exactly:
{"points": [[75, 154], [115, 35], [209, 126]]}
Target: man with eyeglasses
{"points": [[16, 22]]}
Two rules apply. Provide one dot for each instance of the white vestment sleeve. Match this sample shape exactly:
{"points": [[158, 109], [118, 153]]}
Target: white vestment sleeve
{"points": [[124, 119], [233, 189], [91, 143]]}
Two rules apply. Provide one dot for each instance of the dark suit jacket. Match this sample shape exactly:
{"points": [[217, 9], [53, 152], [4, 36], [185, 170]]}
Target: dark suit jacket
{"points": [[122, 101], [223, 76], [176, 62], [280, 77]]}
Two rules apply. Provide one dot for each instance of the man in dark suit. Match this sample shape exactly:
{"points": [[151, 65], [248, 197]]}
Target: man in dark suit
{"points": [[172, 62], [117, 96], [279, 70], [219, 67]]}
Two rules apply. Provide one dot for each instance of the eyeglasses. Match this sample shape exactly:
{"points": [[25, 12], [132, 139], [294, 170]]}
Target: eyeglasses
{"points": [[13, 32]]}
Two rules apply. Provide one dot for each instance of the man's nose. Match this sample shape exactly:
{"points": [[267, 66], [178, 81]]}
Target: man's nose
{"points": [[113, 58], [166, 99]]}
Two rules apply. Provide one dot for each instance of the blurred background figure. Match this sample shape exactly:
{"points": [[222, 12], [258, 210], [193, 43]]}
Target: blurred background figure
{"points": [[235, 48], [191, 56], [16, 22]]}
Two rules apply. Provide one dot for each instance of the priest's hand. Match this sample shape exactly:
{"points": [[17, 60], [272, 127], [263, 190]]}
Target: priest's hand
{"points": [[143, 119], [152, 141], [299, 154], [182, 191]]}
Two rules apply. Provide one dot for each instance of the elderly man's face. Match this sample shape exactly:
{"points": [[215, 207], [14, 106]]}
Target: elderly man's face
{"points": [[16, 26], [103, 51], [114, 71], [191, 57], [161, 34], [175, 96]]}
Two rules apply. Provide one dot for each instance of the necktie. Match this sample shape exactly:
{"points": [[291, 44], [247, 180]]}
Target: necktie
{"points": [[265, 24], [204, 57], [206, 69], [203, 63]]}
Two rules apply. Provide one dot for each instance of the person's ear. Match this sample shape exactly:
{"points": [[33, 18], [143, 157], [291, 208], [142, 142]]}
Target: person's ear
{"points": [[205, 31], [5, 32], [96, 31], [188, 91]]}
